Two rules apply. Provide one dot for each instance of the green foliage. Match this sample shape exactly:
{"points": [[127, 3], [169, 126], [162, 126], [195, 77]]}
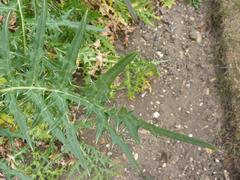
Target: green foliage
{"points": [[168, 3], [195, 3], [135, 80], [42, 164], [144, 9], [10, 173]]}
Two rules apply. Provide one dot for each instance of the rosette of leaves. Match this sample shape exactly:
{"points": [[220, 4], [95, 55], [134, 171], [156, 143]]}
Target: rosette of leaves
{"points": [[47, 86]]}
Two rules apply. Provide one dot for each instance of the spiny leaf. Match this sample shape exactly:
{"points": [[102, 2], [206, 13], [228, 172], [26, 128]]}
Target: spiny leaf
{"points": [[4, 49], [9, 134], [6, 62], [10, 173], [173, 135], [99, 91], [38, 43], [162, 132], [19, 117], [112, 73], [71, 134], [118, 140], [69, 65], [123, 116], [47, 116]]}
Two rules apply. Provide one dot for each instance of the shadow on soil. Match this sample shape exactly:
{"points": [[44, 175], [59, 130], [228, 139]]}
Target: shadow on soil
{"points": [[223, 85]]}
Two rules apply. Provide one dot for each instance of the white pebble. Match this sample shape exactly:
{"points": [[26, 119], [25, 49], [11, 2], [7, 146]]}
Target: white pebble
{"points": [[135, 156], [160, 54], [156, 115], [164, 165], [109, 153]]}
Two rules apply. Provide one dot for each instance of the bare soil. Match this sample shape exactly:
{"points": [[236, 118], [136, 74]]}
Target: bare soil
{"points": [[185, 97]]}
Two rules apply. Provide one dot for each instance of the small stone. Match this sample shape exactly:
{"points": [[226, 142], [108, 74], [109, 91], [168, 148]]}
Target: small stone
{"points": [[158, 102], [188, 85], [143, 131], [190, 135], [156, 115], [143, 94], [191, 18], [109, 153], [207, 91], [160, 54], [135, 156], [196, 36], [226, 175], [107, 145], [178, 126], [185, 126], [164, 165]]}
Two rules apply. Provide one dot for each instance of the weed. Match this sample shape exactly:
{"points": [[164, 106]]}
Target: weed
{"points": [[195, 3], [168, 3]]}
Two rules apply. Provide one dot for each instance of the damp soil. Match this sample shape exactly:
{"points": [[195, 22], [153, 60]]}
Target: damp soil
{"points": [[184, 98]]}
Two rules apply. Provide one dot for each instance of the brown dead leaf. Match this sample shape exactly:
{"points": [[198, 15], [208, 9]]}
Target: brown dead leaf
{"points": [[13, 22], [102, 141], [100, 59], [18, 143], [1, 19], [2, 177], [3, 151], [97, 44]]}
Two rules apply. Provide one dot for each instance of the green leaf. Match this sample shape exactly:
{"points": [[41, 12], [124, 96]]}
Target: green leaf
{"points": [[5, 63], [99, 91], [124, 116], [118, 140], [9, 134], [71, 134], [37, 53], [4, 49], [10, 173], [69, 66], [19, 118], [164, 132]]}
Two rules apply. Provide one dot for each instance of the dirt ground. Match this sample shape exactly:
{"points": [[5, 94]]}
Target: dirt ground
{"points": [[184, 98]]}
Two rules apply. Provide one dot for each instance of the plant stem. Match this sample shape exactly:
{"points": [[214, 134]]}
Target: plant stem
{"points": [[23, 27]]}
